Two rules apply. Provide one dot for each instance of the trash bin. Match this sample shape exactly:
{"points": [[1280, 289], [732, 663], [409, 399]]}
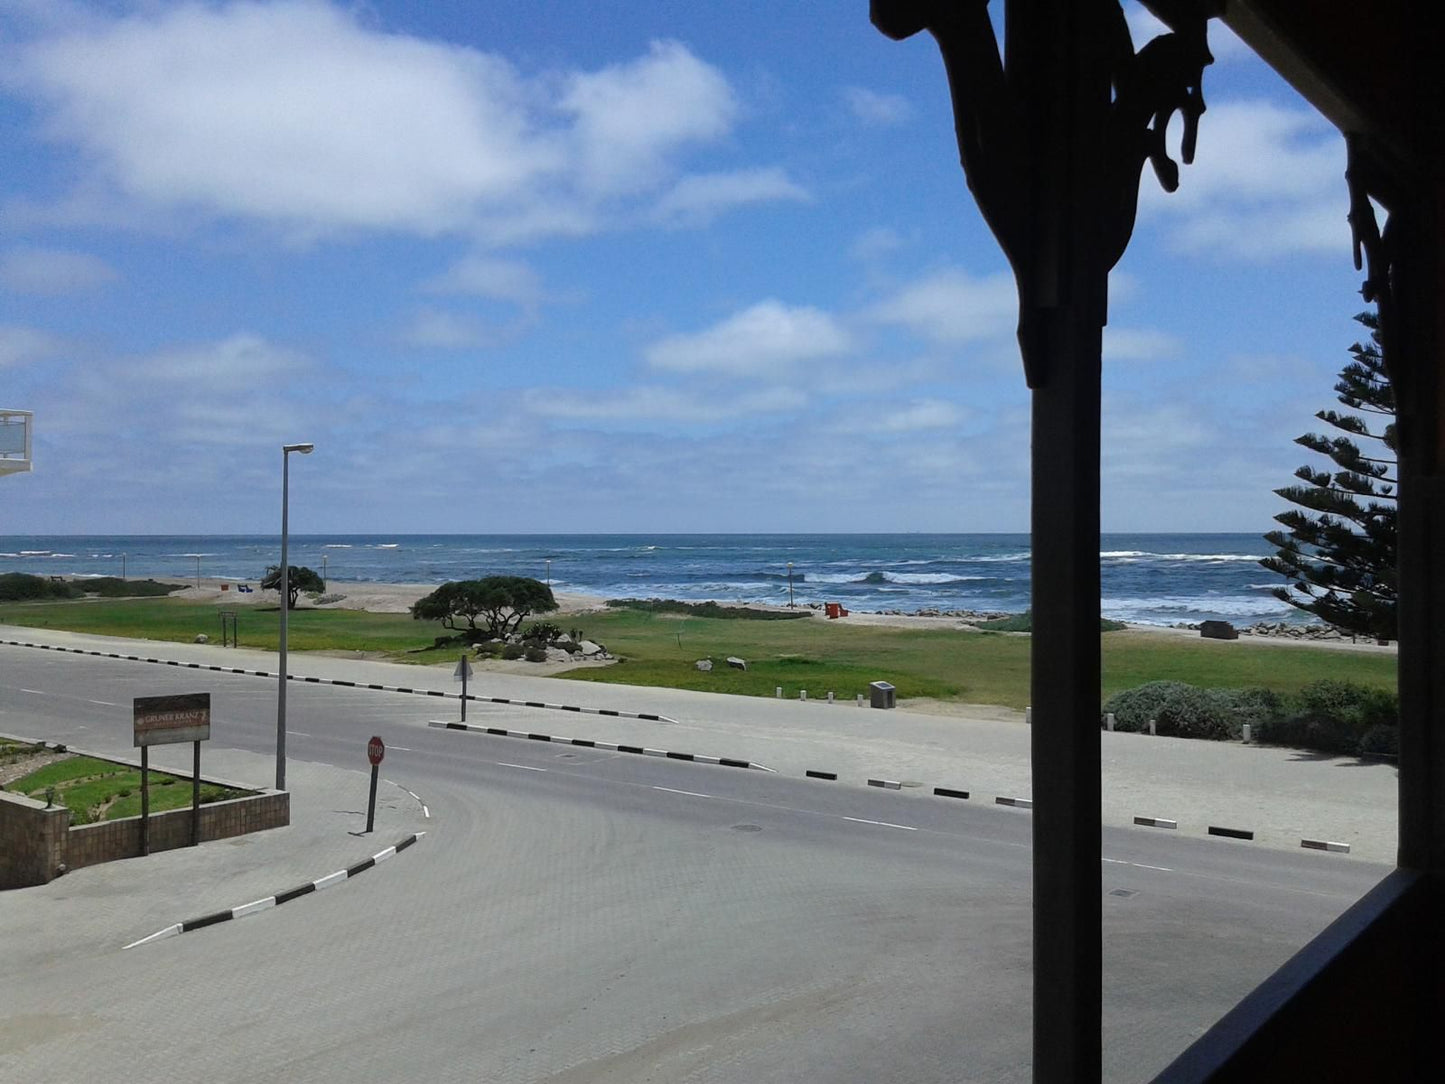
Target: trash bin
{"points": [[882, 695]]}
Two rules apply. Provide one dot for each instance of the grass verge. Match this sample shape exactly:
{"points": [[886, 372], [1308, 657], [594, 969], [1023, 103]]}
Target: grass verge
{"points": [[661, 649], [95, 789]]}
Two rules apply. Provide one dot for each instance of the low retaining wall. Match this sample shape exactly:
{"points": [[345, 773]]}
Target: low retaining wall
{"points": [[38, 844]]}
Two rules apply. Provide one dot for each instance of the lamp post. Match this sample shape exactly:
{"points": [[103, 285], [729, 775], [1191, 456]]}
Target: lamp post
{"points": [[286, 450], [790, 585], [122, 566], [198, 572], [323, 572], [549, 570]]}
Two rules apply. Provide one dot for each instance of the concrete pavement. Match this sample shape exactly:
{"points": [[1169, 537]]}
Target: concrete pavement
{"points": [[1282, 796]]}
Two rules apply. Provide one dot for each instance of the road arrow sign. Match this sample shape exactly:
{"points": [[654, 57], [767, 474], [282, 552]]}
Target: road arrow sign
{"points": [[463, 670]]}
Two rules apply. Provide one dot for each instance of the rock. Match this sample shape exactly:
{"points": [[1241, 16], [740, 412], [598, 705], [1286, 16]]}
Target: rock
{"points": [[737, 663], [704, 665], [202, 638], [589, 648]]}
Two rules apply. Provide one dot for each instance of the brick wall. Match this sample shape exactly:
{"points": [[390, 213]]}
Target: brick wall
{"points": [[108, 840], [32, 840], [36, 842]]}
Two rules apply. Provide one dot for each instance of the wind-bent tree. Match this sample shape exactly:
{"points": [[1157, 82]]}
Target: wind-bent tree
{"points": [[1338, 548], [301, 579], [490, 608]]}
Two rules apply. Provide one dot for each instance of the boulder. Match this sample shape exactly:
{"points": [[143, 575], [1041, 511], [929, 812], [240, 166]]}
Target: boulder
{"points": [[737, 663], [202, 638], [589, 648], [705, 665]]}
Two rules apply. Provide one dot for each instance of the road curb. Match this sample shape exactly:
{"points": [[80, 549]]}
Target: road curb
{"points": [[279, 898], [647, 716], [588, 743]]}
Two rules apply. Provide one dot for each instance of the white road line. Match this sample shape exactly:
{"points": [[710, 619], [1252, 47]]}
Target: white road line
{"points": [[881, 824], [103, 703], [399, 749], [1161, 869], [689, 793], [298, 734], [1118, 861], [524, 767], [34, 692]]}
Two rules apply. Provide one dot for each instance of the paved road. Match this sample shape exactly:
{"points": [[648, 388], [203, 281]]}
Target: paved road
{"points": [[580, 915]]}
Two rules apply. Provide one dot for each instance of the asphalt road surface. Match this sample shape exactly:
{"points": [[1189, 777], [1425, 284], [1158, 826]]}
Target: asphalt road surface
{"points": [[577, 915]]}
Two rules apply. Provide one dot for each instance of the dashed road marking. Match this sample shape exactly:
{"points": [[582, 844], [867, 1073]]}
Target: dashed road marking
{"points": [[881, 824]]}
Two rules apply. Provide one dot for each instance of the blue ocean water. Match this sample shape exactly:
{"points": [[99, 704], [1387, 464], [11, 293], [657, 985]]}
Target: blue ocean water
{"points": [[1152, 578]]}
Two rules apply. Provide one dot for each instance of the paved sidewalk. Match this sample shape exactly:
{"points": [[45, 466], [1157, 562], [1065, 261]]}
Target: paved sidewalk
{"points": [[142, 896], [1283, 796]]}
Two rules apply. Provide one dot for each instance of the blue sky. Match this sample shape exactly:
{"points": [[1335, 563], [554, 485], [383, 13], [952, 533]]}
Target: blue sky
{"points": [[612, 266]]}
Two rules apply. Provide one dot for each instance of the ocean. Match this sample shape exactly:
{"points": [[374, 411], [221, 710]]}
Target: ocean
{"points": [[1160, 579]]}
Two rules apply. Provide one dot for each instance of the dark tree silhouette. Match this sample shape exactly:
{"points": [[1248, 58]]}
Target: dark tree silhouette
{"points": [[1338, 548]]}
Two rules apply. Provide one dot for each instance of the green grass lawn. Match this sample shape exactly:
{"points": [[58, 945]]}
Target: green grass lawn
{"points": [[812, 654], [94, 789]]}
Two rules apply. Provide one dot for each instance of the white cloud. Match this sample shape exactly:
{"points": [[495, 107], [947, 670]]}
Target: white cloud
{"points": [[1266, 180], [629, 117], [1138, 344], [951, 307], [491, 277], [25, 345], [875, 243], [440, 329], [699, 198], [52, 271], [871, 107], [657, 404], [762, 339], [301, 115], [922, 414]]}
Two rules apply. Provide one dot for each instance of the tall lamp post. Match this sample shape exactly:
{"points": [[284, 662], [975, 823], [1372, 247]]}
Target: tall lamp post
{"points": [[790, 585], [286, 450]]}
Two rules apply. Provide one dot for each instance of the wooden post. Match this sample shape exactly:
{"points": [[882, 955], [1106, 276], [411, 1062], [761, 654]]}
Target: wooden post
{"points": [[196, 796], [145, 800]]}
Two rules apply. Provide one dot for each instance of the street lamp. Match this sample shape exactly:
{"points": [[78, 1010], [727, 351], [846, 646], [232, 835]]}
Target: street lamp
{"points": [[790, 585], [286, 450], [323, 572], [549, 570]]}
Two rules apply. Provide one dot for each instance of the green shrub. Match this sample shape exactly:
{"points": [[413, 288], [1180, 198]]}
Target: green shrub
{"points": [[490, 648], [535, 653], [542, 632], [1185, 711], [23, 587], [1133, 708], [1360, 706], [512, 651], [1323, 734], [1381, 740], [1024, 622], [705, 609]]}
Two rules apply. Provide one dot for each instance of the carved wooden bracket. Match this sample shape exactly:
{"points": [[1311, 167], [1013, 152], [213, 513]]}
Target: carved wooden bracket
{"points": [[996, 119]]}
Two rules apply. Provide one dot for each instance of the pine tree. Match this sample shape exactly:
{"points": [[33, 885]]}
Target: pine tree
{"points": [[1338, 548]]}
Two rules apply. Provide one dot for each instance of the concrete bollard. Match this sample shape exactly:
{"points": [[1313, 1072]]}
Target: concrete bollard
{"points": [[860, 700], [1109, 720], [1151, 728], [1246, 733], [1029, 715], [830, 696], [802, 694], [780, 692]]}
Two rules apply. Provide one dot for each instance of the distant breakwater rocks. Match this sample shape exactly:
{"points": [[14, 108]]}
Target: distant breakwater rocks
{"points": [[960, 615], [1285, 630]]}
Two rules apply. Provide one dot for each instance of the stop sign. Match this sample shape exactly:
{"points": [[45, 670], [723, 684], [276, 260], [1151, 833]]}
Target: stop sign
{"points": [[375, 750]]}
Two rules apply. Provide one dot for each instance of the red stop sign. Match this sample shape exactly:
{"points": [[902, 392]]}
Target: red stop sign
{"points": [[375, 750]]}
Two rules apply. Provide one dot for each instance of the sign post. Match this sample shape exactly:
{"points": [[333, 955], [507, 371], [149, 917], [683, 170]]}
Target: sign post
{"points": [[461, 673], [164, 720], [375, 751]]}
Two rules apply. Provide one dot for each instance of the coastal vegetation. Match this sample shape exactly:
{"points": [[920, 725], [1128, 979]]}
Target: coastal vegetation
{"points": [[1330, 715], [299, 579], [662, 649], [17, 586], [491, 608], [1337, 550]]}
